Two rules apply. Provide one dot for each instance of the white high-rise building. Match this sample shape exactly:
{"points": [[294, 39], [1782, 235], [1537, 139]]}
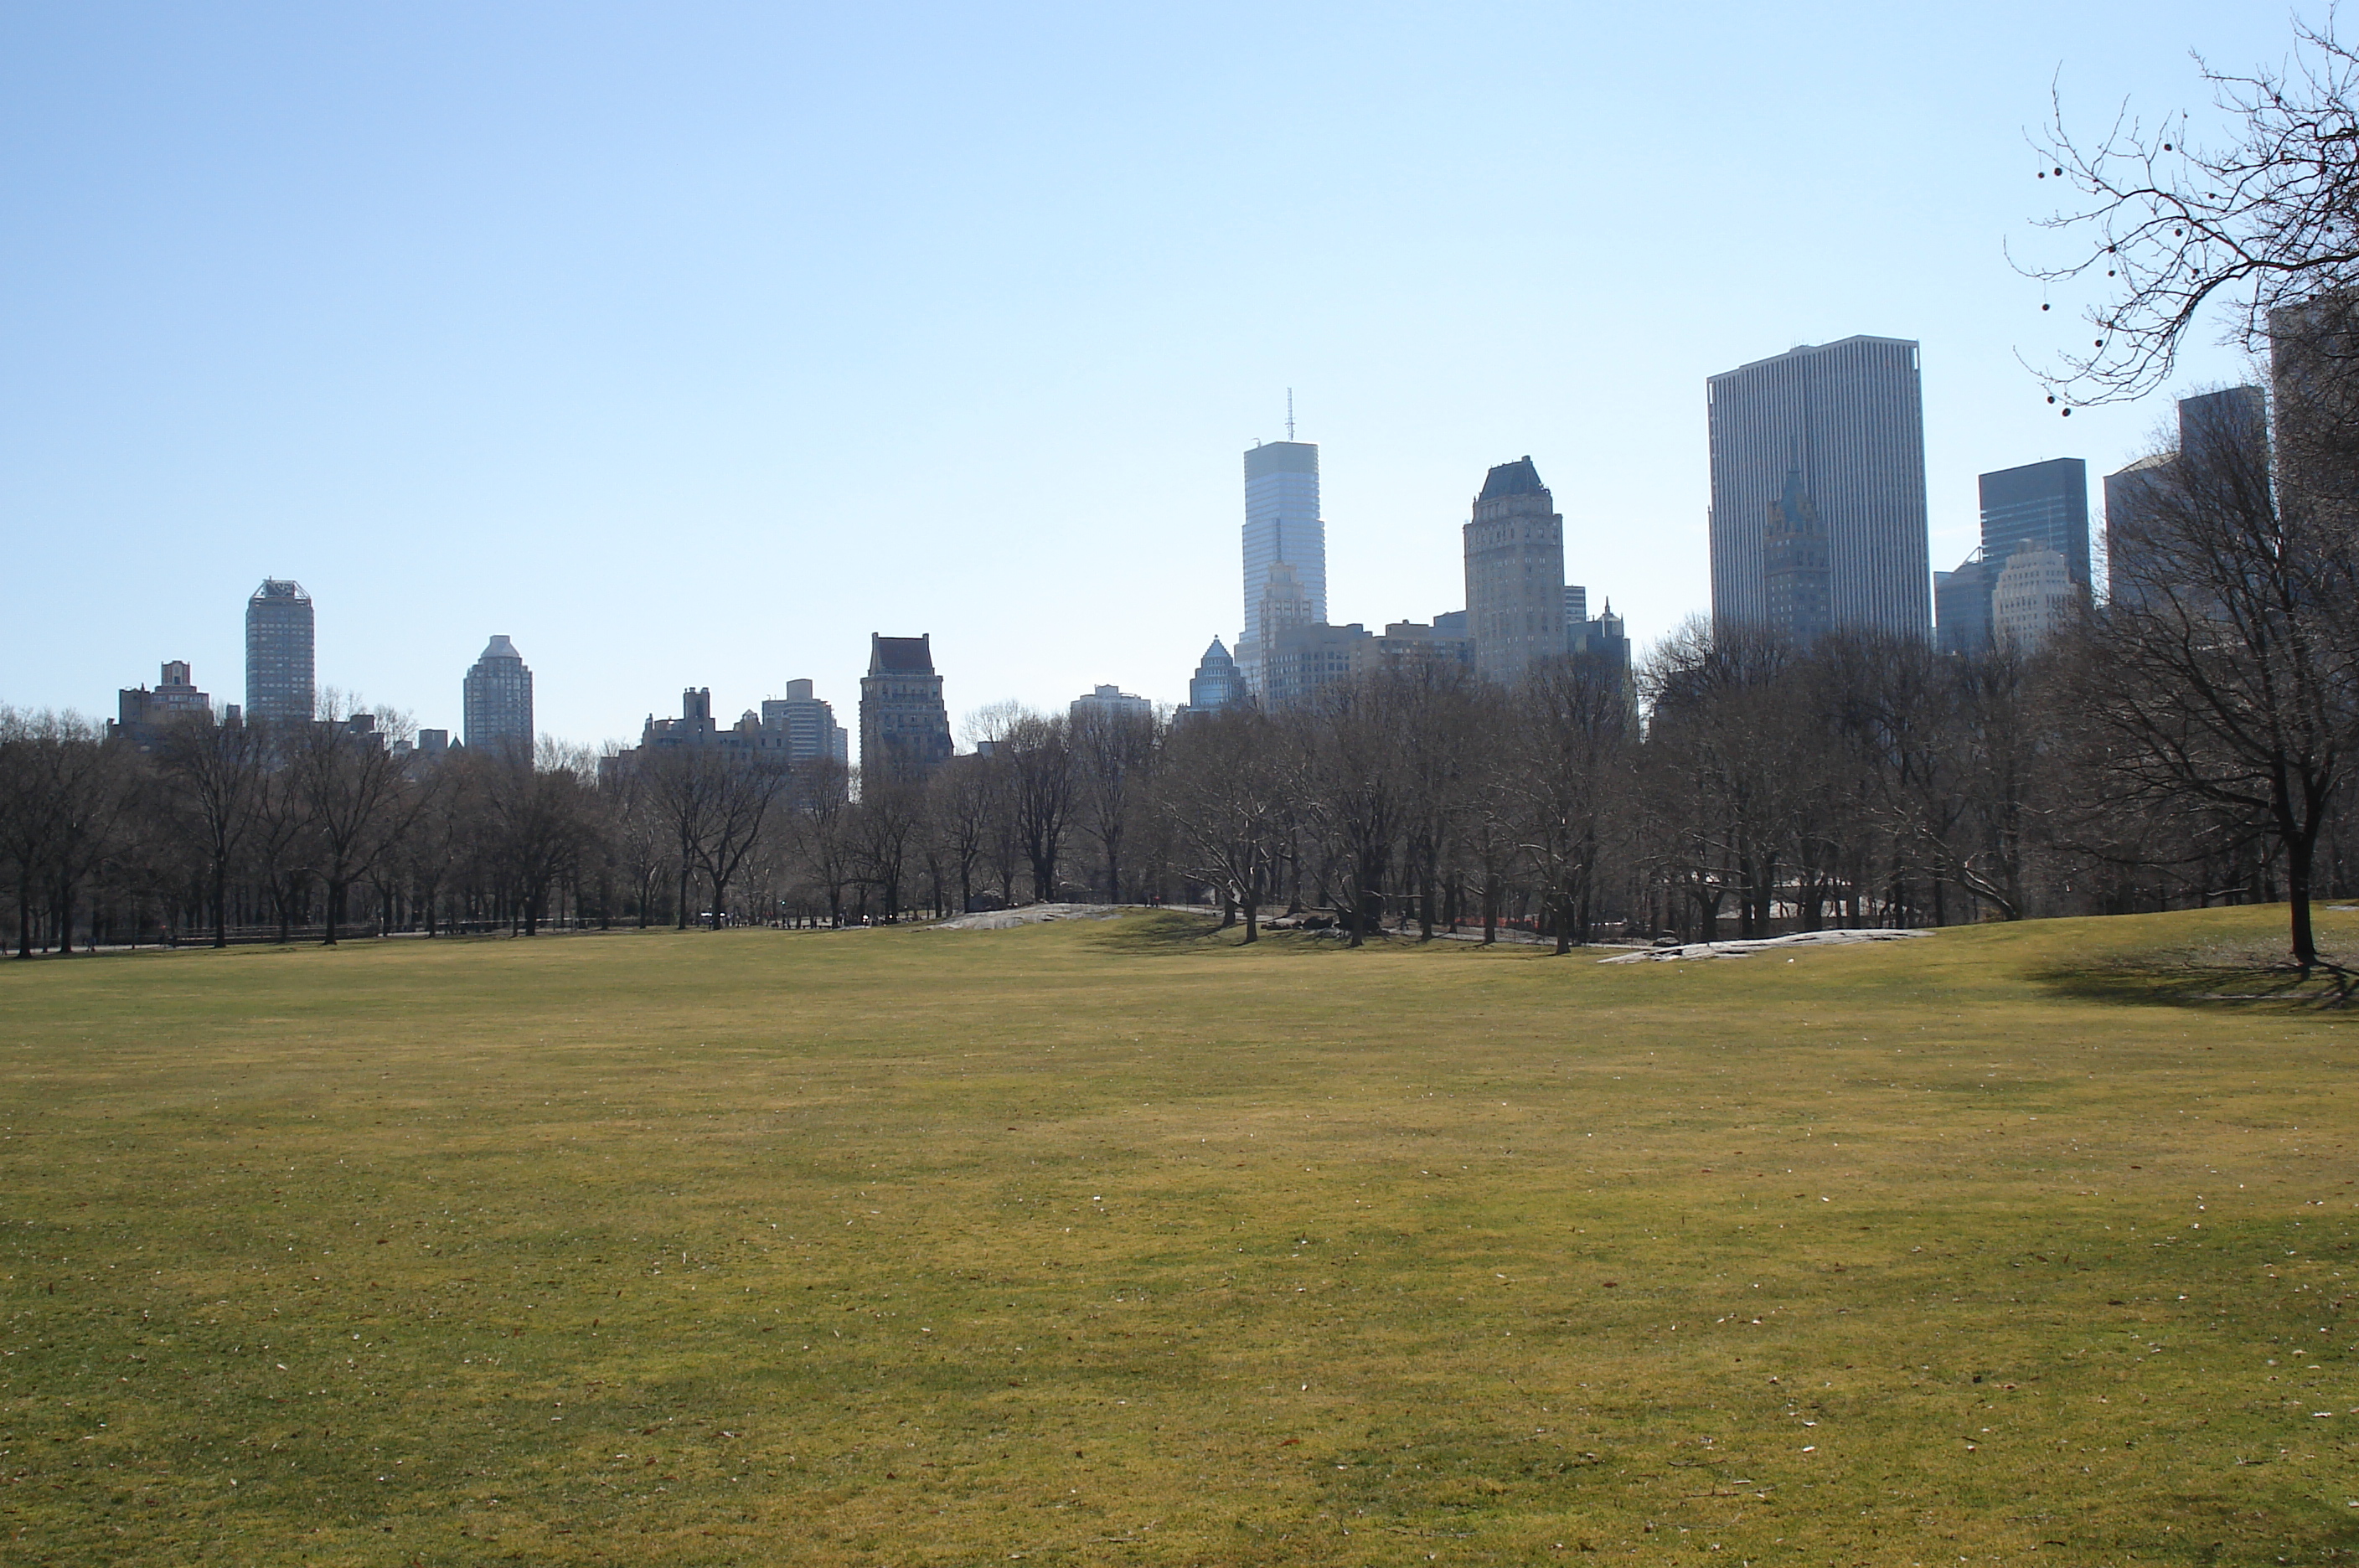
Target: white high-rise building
{"points": [[2034, 599], [1112, 705], [809, 723], [1846, 420], [1283, 527]]}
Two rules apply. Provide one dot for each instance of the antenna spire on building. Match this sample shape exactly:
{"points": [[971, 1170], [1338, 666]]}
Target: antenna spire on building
{"points": [[1289, 413]]}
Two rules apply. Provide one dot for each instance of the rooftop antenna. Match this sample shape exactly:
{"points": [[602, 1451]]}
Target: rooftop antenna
{"points": [[1289, 413]]}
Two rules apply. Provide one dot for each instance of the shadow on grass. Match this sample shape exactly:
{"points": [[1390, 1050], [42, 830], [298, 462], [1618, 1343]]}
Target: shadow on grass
{"points": [[1174, 931], [2199, 978], [1161, 931]]}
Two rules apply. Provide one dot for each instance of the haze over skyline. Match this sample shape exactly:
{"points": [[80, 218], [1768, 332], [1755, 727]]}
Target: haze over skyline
{"points": [[688, 346]]}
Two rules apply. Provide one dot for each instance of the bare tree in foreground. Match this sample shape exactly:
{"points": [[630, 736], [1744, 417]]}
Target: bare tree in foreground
{"points": [[2226, 667], [1222, 792]]}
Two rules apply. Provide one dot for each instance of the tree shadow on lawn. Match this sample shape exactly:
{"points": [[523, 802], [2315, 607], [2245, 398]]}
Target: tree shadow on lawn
{"points": [[2241, 975], [1176, 930]]}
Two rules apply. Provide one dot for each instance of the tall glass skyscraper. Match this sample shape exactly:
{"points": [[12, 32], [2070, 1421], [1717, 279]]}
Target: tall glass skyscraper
{"points": [[278, 669], [1283, 525], [1849, 418], [2042, 504]]}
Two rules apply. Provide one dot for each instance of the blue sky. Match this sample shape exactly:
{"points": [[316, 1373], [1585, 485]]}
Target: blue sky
{"points": [[689, 343]]}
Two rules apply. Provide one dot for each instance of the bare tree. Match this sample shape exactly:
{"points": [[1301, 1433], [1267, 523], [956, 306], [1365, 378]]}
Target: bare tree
{"points": [[964, 796], [737, 802], [213, 774], [884, 824], [1039, 754], [1112, 755], [357, 795], [1570, 777], [1725, 747], [540, 806], [1221, 789], [822, 828], [62, 788], [2226, 669], [1439, 761], [1353, 789], [2163, 231], [640, 834]]}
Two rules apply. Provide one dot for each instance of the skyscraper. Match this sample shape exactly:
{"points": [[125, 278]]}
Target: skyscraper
{"points": [[278, 669], [905, 731], [2042, 504], [1282, 607], [1961, 607], [1848, 418], [1283, 527], [1217, 684], [1795, 567], [499, 699], [1514, 573], [2034, 598], [2210, 426], [812, 735]]}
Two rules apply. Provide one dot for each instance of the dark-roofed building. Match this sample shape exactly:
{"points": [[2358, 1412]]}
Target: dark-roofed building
{"points": [[1794, 566], [1514, 573], [904, 730]]}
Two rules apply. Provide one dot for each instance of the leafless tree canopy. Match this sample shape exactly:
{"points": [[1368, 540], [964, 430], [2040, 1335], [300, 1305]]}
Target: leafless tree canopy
{"points": [[2161, 232]]}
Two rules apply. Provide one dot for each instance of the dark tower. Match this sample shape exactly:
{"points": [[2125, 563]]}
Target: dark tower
{"points": [[905, 731], [1794, 566], [279, 670]]}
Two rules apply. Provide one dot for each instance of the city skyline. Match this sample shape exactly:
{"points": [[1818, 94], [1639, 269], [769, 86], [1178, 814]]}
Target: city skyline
{"points": [[564, 323], [498, 690]]}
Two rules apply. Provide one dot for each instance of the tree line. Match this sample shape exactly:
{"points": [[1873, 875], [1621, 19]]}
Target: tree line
{"points": [[2189, 741]]}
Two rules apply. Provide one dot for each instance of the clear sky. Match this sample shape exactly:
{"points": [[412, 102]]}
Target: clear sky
{"points": [[688, 344]]}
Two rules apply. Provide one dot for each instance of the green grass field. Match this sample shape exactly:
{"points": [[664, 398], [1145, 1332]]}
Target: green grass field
{"points": [[1114, 1244]]}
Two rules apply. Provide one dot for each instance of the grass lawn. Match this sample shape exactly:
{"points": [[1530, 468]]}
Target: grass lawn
{"points": [[1114, 1244]]}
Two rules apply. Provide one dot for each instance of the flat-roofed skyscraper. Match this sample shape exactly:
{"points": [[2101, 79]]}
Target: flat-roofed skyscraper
{"points": [[808, 723], [1848, 418], [2043, 506], [279, 683], [2230, 425], [1283, 527], [498, 692]]}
